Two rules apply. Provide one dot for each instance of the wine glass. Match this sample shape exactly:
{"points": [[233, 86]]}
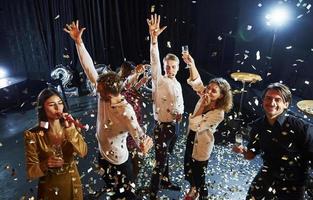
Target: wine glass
{"points": [[57, 151], [185, 49], [238, 139]]}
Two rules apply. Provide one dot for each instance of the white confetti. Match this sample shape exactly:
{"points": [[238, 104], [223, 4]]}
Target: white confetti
{"points": [[168, 44], [258, 55]]}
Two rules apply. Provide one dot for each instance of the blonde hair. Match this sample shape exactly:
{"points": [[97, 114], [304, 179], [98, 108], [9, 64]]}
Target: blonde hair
{"points": [[171, 56], [226, 102]]}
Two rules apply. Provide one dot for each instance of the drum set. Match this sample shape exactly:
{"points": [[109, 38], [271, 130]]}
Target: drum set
{"points": [[305, 106]]}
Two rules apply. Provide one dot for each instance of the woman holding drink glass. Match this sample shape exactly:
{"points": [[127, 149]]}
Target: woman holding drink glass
{"points": [[215, 100], [50, 149]]}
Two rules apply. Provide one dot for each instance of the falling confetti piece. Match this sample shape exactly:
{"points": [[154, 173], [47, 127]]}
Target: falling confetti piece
{"points": [[258, 55], [168, 44], [57, 17]]}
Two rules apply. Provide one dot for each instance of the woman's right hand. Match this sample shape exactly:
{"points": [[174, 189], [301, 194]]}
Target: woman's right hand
{"points": [[188, 59], [74, 31], [53, 162]]}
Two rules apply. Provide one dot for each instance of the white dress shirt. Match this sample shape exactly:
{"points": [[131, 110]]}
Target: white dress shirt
{"points": [[114, 120], [166, 92]]}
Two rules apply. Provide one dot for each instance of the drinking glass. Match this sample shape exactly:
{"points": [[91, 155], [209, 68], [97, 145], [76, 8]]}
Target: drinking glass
{"points": [[238, 139], [185, 49]]}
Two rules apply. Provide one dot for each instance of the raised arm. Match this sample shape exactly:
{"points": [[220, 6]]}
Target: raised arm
{"points": [[155, 31], [193, 71], [84, 57], [194, 77]]}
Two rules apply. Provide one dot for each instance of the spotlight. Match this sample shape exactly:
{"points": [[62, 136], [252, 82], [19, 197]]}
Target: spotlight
{"points": [[277, 16], [3, 73]]}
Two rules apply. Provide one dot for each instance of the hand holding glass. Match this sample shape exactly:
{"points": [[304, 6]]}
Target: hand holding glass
{"points": [[238, 139]]}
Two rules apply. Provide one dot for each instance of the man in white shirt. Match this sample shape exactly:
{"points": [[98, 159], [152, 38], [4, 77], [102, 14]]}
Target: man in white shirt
{"points": [[168, 107], [116, 118]]}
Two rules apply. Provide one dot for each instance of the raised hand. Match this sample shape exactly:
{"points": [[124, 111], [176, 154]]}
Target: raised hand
{"points": [[74, 31], [154, 26], [54, 161], [188, 59], [146, 144]]}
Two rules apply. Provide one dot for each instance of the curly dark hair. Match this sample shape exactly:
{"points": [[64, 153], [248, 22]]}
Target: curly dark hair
{"points": [[226, 102], [111, 81]]}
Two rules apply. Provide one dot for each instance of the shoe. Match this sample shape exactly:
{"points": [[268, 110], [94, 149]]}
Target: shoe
{"points": [[192, 195], [170, 186]]}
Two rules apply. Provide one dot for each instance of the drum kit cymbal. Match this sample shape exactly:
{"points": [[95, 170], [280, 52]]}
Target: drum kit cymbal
{"points": [[306, 106], [244, 78]]}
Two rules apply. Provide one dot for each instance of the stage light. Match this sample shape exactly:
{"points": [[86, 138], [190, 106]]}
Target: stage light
{"points": [[3, 73], [278, 16]]}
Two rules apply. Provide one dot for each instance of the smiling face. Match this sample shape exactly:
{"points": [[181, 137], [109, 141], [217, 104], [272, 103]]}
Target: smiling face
{"points": [[274, 104], [170, 68], [53, 107], [213, 91]]}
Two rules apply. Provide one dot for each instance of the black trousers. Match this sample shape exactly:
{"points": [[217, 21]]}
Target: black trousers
{"points": [[264, 186], [119, 178], [165, 138], [194, 170]]}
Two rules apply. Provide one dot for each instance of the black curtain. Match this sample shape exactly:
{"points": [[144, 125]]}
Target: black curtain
{"points": [[34, 40], [116, 30]]}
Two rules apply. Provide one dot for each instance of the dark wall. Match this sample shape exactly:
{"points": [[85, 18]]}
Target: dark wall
{"points": [[289, 58], [116, 30]]}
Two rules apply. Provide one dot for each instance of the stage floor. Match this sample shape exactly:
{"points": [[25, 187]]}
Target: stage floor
{"points": [[228, 175]]}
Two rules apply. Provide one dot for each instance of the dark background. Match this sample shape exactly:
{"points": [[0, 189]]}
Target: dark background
{"points": [[33, 41]]}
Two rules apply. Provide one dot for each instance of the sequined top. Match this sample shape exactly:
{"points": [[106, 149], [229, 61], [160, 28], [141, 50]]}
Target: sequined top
{"points": [[54, 183]]}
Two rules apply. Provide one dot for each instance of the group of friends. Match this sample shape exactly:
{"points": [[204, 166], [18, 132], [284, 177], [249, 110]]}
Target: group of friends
{"points": [[284, 142]]}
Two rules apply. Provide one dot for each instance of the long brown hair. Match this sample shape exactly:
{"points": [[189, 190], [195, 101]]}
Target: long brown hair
{"points": [[41, 99], [226, 102]]}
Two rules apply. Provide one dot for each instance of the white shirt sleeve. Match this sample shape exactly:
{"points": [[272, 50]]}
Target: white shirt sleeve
{"points": [[156, 71], [87, 63], [197, 84]]}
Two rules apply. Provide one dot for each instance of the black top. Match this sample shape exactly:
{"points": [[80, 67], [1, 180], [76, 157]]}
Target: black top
{"points": [[286, 146]]}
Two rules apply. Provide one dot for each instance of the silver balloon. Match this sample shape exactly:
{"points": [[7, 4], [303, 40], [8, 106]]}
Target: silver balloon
{"points": [[62, 73]]}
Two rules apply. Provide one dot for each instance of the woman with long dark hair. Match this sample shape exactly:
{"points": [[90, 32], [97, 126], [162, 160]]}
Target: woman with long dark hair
{"points": [[50, 149]]}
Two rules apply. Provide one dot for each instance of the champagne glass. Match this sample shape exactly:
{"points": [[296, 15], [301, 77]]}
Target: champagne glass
{"points": [[238, 139], [185, 49], [57, 151]]}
